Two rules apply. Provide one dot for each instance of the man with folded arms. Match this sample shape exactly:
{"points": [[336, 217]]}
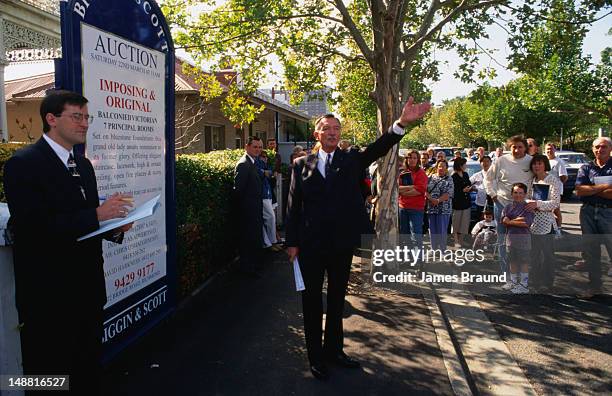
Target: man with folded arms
{"points": [[594, 187], [326, 218]]}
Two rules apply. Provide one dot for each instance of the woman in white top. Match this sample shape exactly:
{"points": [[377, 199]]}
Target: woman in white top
{"points": [[543, 196]]}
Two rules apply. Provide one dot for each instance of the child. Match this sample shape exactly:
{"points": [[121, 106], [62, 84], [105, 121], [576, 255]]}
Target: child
{"points": [[517, 220], [484, 231]]}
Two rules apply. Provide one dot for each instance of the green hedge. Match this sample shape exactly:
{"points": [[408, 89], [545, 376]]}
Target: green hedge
{"points": [[205, 230], [206, 234], [6, 151], [205, 238]]}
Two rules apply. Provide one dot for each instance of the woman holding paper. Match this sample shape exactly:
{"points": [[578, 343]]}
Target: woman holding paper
{"points": [[412, 187], [543, 196], [440, 191]]}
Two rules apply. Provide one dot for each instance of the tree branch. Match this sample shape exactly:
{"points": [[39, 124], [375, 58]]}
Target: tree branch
{"points": [[489, 54], [259, 20], [460, 8], [543, 17], [354, 31]]}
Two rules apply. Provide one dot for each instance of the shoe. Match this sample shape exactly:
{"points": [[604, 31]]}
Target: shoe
{"points": [[342, 359], [508, 285], [519, 288], [320, 372], [589, 293], [580, 265]]}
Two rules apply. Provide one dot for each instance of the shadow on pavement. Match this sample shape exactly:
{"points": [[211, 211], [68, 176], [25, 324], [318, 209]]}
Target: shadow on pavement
{"points": [[243, 336]]}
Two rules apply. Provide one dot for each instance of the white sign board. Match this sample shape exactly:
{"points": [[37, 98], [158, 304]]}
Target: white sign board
{"points": [[124, 83]]}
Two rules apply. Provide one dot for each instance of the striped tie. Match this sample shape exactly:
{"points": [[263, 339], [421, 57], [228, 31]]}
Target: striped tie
{"points": [[72, 169]]}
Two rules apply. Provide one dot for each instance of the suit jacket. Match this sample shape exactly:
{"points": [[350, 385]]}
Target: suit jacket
{"points": [[248, 187], [329, 213], [56, 276]]}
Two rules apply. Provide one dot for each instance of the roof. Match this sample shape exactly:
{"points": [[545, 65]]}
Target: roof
{"points": [[36, 86], [29, 87], [185, 83]]}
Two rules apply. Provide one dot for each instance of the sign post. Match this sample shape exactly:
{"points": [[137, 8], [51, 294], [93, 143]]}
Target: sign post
{"points": [[119, 55]]}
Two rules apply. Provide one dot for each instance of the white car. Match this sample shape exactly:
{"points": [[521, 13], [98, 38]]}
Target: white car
{"points": [[574, 160]]}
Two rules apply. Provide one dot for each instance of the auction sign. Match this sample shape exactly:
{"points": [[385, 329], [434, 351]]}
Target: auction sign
{"points": [[119, 55]]}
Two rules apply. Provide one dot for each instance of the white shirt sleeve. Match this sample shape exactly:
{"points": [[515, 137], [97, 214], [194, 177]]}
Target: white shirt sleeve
{"points": [[490, 180], [398, 130], [562, 167]]}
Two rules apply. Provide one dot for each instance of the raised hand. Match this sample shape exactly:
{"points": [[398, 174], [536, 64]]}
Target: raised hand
{"points": [[413, 111]]}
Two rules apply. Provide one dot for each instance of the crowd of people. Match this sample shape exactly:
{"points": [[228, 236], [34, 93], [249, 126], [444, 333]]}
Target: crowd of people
{"points": [[516, 212]]}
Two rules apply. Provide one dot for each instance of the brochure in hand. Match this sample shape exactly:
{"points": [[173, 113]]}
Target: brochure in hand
{"points": [[143, 211], [406, 179], [540, 192]]}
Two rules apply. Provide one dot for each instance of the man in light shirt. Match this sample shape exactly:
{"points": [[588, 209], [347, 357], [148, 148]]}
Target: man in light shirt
{"points": [[477, 181], [507, 170], [559, 169], [498, 153]]}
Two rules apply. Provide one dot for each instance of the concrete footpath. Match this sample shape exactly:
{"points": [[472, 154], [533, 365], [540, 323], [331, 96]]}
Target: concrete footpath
{"points": [[245, 337]]}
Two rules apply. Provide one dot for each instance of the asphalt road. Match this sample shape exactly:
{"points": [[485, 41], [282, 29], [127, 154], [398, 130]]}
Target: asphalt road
{"points": [[245, 337], [562, 344]]}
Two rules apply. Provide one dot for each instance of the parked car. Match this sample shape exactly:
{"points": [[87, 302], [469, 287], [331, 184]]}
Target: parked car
{"points": [[448, 151], [574, 161]]}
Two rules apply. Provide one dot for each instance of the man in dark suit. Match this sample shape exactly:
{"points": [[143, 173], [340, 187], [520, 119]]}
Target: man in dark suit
{"points": [[53, 199], [326, 218], [248, 188]]}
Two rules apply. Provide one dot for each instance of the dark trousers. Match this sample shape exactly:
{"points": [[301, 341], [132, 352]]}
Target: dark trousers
{"points": [[53, 345], [313, 267], [596, 225], [250, 258], [542, 271]]}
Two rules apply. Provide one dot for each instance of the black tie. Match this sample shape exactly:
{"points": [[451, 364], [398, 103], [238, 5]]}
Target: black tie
{"points": [[328, 165], [72, 169]]}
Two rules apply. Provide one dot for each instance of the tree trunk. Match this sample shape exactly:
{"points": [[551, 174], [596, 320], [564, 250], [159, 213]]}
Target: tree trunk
{"points": [[387, 207]]}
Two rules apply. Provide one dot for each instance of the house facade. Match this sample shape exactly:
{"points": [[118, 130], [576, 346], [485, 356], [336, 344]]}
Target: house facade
{"points": [[200, 126]]}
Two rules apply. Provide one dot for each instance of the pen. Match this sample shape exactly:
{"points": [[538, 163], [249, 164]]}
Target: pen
{"points": [[124, 199]]}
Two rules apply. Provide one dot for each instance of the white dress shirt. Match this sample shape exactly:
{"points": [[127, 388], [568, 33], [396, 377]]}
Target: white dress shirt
{"points": [[322, 155], [61, 152]]}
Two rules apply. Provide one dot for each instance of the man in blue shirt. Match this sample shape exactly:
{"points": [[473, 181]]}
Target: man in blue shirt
{"points": [[594, 187]]}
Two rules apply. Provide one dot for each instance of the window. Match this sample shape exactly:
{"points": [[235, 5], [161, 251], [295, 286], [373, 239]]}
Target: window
{"points": [[238, 138], [262, 135], [214, 138]]}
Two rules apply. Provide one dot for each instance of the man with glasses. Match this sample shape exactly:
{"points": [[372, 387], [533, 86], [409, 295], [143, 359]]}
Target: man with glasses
{"points": [[53, 199], [594, 187]]}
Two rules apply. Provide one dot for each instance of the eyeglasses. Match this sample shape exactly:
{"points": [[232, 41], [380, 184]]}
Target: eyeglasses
{"points": [[78, 117]]}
